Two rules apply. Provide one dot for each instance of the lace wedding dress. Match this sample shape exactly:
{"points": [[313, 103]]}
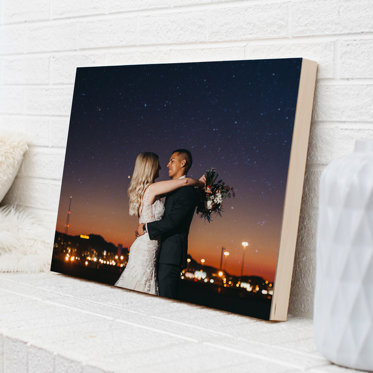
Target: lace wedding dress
{"points": [[140, 273]]}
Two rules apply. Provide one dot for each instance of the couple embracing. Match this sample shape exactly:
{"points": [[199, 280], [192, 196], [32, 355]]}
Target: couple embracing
{"points": [[159, 252]]}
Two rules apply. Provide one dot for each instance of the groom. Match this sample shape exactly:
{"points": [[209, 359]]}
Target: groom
{"points": [[173, 228]]}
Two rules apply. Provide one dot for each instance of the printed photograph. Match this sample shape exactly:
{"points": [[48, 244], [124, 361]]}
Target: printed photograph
{"points": [[174, 179]]}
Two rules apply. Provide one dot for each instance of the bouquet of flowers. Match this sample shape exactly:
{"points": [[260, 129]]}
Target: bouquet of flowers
{"points": [[213, 195]]}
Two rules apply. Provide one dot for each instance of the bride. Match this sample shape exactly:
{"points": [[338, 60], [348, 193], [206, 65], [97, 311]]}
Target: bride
{"points": [[144, 202]]}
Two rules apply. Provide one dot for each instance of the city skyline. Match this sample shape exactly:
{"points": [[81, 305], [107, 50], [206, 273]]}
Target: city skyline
{"points": [[236, 116]]}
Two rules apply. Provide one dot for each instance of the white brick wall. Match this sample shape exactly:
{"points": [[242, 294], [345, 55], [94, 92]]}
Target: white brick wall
{"points": [[43, 41]]}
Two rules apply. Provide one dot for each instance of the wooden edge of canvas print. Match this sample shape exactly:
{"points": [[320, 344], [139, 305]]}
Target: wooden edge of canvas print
{"points": [[294, 190]]}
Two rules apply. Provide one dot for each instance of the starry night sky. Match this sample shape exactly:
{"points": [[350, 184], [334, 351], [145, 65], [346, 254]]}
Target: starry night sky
{"points": [[236, 116]]}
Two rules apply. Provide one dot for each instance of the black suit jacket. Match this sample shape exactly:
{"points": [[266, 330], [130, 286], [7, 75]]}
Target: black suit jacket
{"points": [[174, 226]]}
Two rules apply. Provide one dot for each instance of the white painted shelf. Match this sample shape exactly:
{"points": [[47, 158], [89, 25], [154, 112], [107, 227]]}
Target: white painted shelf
{"points": [[50, 322]]}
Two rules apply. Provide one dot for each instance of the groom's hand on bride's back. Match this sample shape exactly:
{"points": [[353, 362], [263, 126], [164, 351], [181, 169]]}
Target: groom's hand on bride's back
{"points": [[140, 230]]}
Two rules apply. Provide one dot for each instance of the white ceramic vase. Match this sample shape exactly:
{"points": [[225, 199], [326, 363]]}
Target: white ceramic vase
{"points": [[343, 306]]}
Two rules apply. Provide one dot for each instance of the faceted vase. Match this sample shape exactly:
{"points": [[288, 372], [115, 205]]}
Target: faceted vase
{"points": [[343, 306]]}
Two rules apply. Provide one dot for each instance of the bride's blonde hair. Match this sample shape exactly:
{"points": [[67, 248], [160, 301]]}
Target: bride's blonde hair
{"points": [[146, 167]]}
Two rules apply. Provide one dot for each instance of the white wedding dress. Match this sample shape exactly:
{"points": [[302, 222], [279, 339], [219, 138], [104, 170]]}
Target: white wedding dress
{"points": [[140, 273]]}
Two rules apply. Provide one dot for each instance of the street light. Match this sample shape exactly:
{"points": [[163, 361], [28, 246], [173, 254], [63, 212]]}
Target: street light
{"points": [[225, 253], [188, 263], [244, 245], [203, 261]]}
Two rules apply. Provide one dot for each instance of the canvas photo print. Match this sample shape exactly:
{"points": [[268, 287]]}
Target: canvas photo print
{"points": [[175, 180]]}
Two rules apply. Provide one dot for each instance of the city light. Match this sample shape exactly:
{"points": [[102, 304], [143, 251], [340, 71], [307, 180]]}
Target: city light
{"points": [[246, 286], [200, 275], [219, 280]]}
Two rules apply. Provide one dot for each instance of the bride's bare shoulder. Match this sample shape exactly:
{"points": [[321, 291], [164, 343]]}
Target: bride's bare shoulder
{"points": [[149, 195]]}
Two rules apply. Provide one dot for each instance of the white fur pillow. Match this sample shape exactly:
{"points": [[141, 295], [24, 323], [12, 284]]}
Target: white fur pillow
{"points": [[23, 244], [12, 149]]}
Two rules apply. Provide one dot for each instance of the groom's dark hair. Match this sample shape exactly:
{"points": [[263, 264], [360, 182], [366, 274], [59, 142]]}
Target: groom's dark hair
{"points": [[187, 155]]}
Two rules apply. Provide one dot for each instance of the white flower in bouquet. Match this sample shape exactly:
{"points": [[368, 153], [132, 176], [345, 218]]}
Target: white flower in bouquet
{"points": [[218, 198], [209, 204]]}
